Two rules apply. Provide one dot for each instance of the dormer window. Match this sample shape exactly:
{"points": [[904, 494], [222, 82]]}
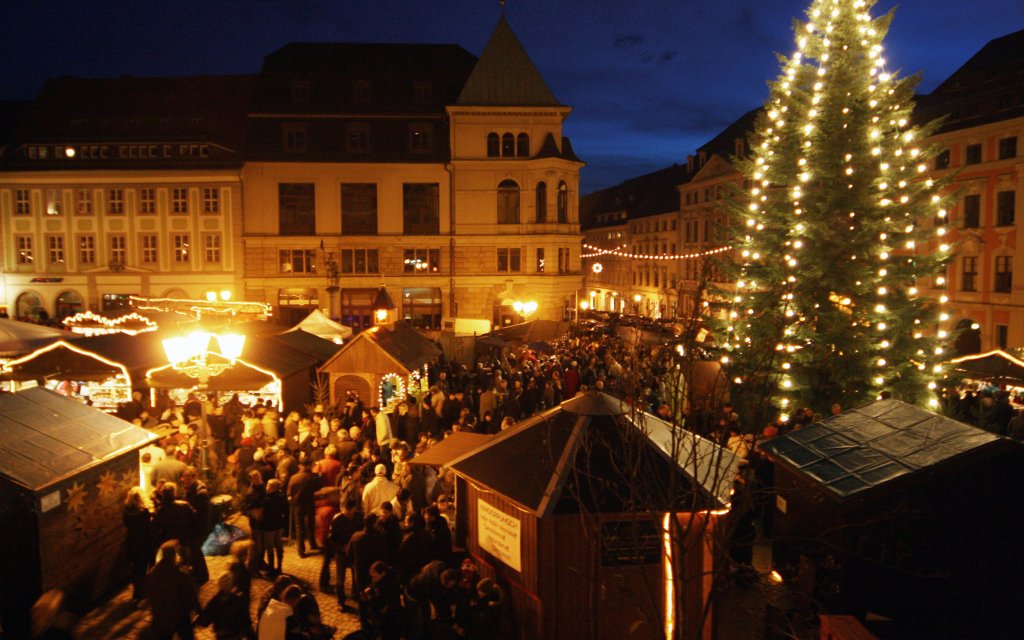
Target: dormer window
{"points": [[421, 138], [361, 92], [300, 91], [295, 137], [357, 137], [422, 92]]}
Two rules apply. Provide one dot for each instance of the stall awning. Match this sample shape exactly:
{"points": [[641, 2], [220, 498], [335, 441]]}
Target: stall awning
{"points": [[454, 446], [997, 367], [46, 437], [241, 375]]}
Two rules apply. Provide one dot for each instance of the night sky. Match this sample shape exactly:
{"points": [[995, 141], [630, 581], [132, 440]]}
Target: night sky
{"points": [[648, 80]]}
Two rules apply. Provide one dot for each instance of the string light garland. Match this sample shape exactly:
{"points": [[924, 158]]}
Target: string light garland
{"points": [[88, 323], [598, 251]]}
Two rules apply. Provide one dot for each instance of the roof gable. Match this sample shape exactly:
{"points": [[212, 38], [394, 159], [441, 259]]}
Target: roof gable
{"points": [[505, 76]]}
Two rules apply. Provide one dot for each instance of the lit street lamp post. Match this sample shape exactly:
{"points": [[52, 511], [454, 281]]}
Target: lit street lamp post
{"points": [[191, 355]]}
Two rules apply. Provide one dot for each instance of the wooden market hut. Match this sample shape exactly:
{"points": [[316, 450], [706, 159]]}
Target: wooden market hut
{"points": [[911, 516], [65, 469], [396, 351], [569, 512]]}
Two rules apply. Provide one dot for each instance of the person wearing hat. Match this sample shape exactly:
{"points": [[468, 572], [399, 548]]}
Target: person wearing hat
{"points": [[379, 490]]}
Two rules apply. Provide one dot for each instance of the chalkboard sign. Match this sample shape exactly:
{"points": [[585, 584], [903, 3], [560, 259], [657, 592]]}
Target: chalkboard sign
{"points": [[630, 542]]}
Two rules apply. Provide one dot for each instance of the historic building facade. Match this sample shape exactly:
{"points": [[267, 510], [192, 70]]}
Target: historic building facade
{"points": [[979, 141], [338, 169]]}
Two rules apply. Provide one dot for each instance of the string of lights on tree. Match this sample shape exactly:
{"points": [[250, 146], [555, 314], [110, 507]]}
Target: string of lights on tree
{"points": [[598, 251], [832, 242]]}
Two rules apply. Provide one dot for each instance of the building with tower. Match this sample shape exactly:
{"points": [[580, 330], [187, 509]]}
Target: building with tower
{"points": [[338, 169]]}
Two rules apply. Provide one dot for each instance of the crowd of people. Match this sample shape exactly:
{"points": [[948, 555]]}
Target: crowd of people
{"points": [[341, 481]]}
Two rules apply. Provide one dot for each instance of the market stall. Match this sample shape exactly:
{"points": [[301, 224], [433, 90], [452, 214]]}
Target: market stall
{"points": [[65, 469], [383, 365], [318, 324], [586, 528]]}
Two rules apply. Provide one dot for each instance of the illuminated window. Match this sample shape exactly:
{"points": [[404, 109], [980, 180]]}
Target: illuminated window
{"points": [[115, 201], [540, 259], [423, 261], [422, 307], [53, 204]]}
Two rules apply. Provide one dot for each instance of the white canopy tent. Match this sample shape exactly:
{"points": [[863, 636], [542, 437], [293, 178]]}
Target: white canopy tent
{"points": [[320, 325]]}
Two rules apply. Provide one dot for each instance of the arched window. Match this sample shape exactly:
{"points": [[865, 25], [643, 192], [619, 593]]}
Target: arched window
{"points": [[523, 146], [563, 202], [493, 145], [508, 145], [68, 304], [542, 201], [508, 202]]}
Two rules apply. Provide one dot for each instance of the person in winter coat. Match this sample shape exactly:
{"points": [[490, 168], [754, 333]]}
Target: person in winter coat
{"points": [[228, 612], [172, 595], [139, 545]]}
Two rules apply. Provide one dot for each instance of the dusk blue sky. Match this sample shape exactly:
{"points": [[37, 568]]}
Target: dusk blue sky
{"points": [[648, 80]]}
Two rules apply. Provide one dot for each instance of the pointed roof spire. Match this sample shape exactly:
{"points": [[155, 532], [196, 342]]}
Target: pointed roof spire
{"points": [[504, 75]]}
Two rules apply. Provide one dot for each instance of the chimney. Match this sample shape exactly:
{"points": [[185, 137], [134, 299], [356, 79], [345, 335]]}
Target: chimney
{"points": [[689, 163]]}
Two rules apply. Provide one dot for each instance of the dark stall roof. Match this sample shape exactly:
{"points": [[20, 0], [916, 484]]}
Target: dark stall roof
{"points": [[308, 344], [18, 338], [46, 437], [578, 454], [404, 343], [867, 448]]}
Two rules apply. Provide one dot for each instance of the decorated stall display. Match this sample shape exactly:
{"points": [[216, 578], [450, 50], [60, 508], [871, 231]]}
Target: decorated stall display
{"points": [[383, 365], [65, 470]]}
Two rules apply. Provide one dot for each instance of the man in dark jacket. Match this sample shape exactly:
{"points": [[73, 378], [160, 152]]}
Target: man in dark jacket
{"points": [[301, 488], [172, 596], [198, 497], [364, 548], [344, 525], [174, 519], [252, 506]]}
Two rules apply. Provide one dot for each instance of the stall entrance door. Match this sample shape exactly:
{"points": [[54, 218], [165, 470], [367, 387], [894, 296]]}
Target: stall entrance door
{"points": [[344, 384]]}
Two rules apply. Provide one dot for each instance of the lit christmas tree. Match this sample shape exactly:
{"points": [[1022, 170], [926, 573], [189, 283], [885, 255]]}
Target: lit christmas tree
{"points": [[841, 229]]}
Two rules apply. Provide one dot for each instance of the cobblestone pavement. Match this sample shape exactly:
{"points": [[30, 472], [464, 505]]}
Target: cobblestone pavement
{"points": [[120, 618]]}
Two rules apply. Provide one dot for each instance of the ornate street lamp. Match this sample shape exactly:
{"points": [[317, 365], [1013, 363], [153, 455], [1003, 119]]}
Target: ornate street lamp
{"points": [[191, 355]]}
